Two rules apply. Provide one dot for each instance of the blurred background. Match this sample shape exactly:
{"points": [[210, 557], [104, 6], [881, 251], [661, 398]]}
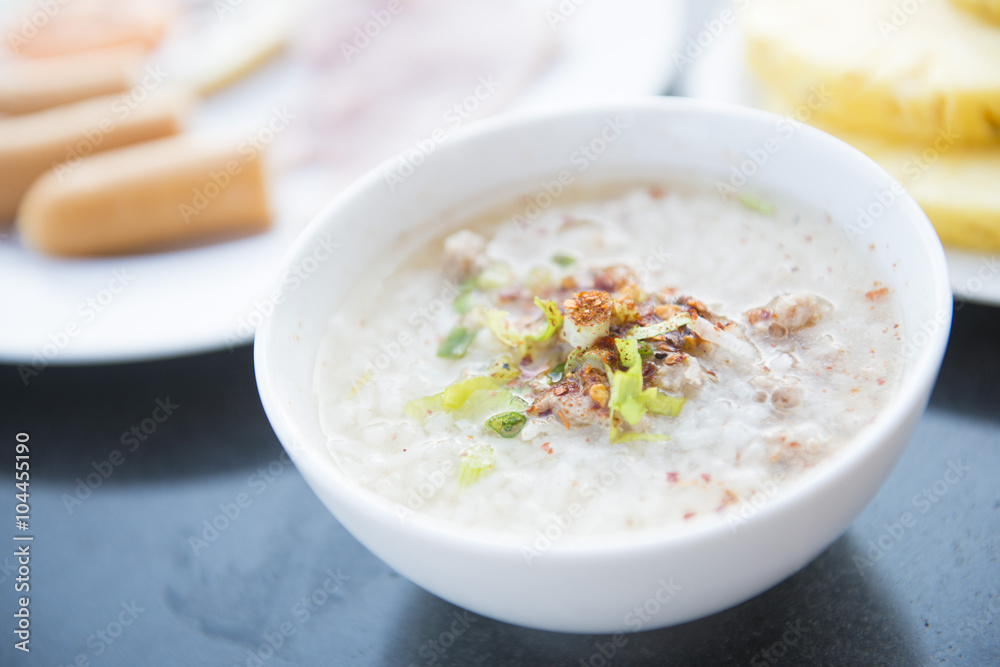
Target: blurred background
{"points": [[157, 159], [187, 143]]}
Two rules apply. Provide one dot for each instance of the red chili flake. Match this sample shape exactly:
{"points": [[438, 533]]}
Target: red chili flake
{"points": [[673, 477], [877, 294], [559, 390], [689, 515], [881, 382], [794, 445], [656, 192], [708, 478], [547, 447]]}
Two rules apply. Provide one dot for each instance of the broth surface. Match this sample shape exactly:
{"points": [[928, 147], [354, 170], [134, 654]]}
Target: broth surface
{"points": [[789, 343]]}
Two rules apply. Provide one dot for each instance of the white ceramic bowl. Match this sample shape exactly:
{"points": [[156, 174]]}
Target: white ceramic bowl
{"points": [[617, 584]]}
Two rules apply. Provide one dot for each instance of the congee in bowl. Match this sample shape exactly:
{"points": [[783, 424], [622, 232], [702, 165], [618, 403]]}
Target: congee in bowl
{"points": [[631, 357], [567, 373]]}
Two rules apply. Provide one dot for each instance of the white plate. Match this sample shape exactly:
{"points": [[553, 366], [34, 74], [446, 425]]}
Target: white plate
{"points": [[134, 308], [720, 74]]}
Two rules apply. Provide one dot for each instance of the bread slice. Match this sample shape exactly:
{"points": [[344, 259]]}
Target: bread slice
{"points": [[957, 186], [986, 9], [897, 70]]}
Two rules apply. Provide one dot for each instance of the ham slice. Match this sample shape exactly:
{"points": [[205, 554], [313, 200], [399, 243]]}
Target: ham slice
{"points": [[385, 75]]}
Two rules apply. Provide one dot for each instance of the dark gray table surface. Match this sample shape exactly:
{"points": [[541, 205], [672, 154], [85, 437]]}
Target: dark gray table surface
{"points": [[116, 579]]}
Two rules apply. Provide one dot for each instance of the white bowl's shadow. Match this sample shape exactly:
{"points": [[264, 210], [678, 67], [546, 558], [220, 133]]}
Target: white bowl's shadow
{"points": [[806, 617]]}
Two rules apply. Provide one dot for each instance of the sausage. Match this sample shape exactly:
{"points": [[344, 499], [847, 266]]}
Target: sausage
{"points": [[145, 197], [34, 143]]}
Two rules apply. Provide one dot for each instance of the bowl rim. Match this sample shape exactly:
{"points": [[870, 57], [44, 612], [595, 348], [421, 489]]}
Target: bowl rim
{"points": [[911, 396]]}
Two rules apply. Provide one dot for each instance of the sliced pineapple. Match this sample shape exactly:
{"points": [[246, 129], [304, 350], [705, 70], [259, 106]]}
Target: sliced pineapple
{"points": [[899, 69], [957, 186], [987, 9]]}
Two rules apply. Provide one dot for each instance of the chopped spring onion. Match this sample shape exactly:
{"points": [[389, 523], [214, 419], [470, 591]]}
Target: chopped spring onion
{"points": [[457, 342], [419, 408], [632, 402], [618, 435], [756, 204], [485, 402], [628, 351], [475, 397], [660, 328], [626, 393], [663, 404], [507, 424], [557, 373], [457, 394], [580, 357], [476, 462], [564, 260], [466, 301], [553, 319], [496, 320]]}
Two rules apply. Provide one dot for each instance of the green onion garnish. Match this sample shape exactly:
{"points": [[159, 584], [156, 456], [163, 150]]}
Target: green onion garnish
{"points": [[757, 204], [457, 343], [507, 424], [476, 462], [466, 301], [557, 372], [564, 260]]}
